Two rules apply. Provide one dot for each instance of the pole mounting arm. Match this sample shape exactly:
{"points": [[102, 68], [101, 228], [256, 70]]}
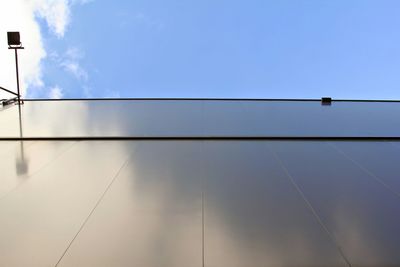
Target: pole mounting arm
{"points": [[8, 91], [16, 47]]}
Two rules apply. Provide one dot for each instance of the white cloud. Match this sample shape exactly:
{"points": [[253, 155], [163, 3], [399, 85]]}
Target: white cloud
{"points": [[75, 69], [70, 62], [74, 53], [56, 93], [55, 12], [22, 16]]}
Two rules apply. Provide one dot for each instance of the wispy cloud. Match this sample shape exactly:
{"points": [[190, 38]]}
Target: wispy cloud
{"points": [[56, 13], [75, 69], [70, 62], [23, 15], [56, 92]]}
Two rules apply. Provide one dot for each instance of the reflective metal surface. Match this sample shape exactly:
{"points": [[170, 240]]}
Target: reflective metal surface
{"points": [[199, 203], [200, 118], [253, 214], [379, 160], [152, 214], [25, 159], [42, 214], [360, 212]]}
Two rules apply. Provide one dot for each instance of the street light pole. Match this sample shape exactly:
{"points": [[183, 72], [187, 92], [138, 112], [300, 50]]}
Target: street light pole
{"points": [[16, 67], [14, 42]]}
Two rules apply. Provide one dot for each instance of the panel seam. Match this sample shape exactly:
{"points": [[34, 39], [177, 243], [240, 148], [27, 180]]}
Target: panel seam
{"points": [[45, 166], [93, 209], [364, 169], [309, 205]]}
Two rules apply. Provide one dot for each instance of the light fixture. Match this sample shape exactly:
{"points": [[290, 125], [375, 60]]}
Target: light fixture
{"points": [[14, 39], [14, 42]]}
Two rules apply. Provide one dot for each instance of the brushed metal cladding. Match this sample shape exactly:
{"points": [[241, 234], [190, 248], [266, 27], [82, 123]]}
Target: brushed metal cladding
{"points": [[8, 148], [195, 203], [253, 214], [25, 160], [104, 118], [360, 212], [42, 215], [153, 118], [379, 160], [152, 214]]}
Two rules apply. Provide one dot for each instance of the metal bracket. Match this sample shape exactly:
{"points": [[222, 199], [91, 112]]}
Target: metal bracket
{"points": [[10, 101], [6, 102]]}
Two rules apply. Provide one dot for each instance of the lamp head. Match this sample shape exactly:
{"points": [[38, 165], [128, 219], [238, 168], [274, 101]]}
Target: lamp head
{"points": [[13, 38]]}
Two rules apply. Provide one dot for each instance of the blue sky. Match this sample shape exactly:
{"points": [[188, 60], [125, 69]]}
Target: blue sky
{"points": [[220, 48]]}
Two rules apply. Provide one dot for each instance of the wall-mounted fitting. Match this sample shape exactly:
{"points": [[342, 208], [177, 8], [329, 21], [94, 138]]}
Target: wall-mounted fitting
{"points": [[326, 101]]}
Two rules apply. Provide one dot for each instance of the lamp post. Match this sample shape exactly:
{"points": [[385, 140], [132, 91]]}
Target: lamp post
{"points": [[14, 42]]}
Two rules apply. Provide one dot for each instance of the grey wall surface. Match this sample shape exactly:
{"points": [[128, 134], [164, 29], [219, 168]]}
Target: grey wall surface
{"points": [[199, 203], [151, 118]]}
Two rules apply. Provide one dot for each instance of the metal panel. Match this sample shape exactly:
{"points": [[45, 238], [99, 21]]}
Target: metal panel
{"points": [[189, 203], [25, 160], [152, 118], [9, 148], [152, 214], [227, 118], [360, 213], [253, 214], [41, 217], [380, 160], [104, 118]]}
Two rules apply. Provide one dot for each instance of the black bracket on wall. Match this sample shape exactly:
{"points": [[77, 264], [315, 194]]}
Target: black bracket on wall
{"points": [[326, 101], [9, 101]]}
